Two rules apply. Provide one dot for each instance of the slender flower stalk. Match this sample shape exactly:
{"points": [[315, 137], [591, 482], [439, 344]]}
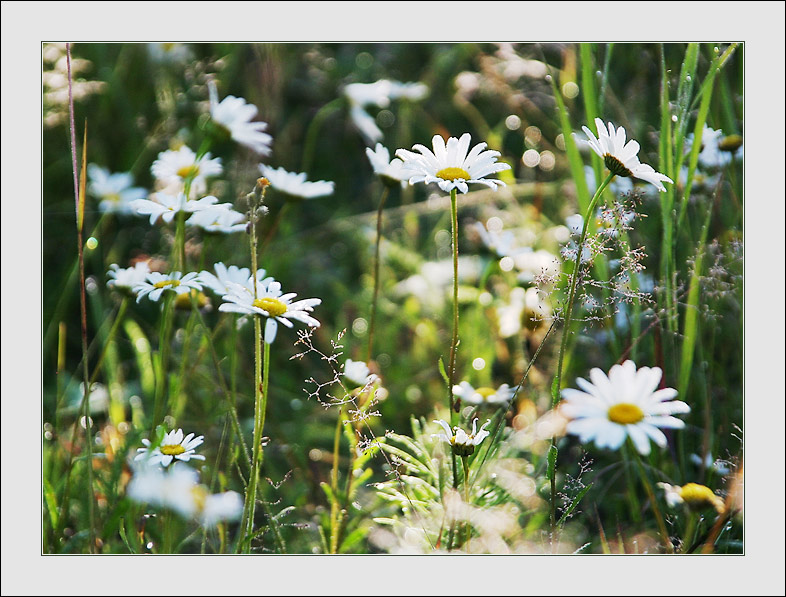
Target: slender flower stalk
{"points": [[664, 533], [566, 334], [165, 331], [375, 297], [454, 338]]}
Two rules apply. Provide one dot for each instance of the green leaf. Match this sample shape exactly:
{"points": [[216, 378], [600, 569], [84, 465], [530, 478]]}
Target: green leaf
{"points": [[443, 372], [328, 492], [51, 502], [552, 461], [124, 537]]}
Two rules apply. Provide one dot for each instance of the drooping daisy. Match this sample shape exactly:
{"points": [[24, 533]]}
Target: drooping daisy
{"points": [[235, 115], [116, 191], [450, 166], [390, 171], [693, 495], [175, 167], [621, 158], [125, 280], [624, 404], [156, 283], [271, 303], [461, 442], [483, 395], [166, 206], [173, 447], [221, 219], [357, 372], [226, 276], [295, 184]]}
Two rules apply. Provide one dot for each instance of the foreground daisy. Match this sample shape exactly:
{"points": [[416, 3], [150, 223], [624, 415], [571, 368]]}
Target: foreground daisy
{"points": [[176, 167], [624, 404], [116, 191], [235, 115], [271, 303], [295, 184], [620, 157], [390, 171], [693, 495], [483, 395], [173, 447], [125, 280], [461, 442], [178, 489], [156, 283], [450, 166], [167, 206]]}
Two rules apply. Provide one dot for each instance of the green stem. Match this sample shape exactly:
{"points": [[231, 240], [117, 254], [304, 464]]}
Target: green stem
{"points": [[664, 534], [312, 134], [566, 335], [165, 331], [454, 340], [334, 509], [373, 318], [180, 243], [465, 462]]}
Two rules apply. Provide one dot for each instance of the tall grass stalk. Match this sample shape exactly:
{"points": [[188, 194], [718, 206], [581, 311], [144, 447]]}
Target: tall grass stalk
{"points": [[79, 197]]}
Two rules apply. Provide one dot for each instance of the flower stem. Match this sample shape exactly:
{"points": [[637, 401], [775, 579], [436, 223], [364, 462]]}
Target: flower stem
{"points": [[454, 340], [465, 462], [566, 336], [664, 534], [373, 318], [164, 341]]}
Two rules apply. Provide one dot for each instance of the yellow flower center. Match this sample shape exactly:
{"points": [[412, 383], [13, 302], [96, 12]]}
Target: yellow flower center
{"points": [[113, 197], [486, 392], [172, 450], [200, 495], [625, 413], [697, 496], [453, 174], [165, 283], [183, 301], [188, 171], [273, 306]]}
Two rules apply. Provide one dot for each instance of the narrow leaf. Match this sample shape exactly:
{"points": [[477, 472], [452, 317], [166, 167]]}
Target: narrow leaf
{"points": [[80, 208], [573, 505]]}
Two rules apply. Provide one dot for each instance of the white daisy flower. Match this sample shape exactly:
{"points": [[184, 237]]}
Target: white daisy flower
{"points": [[219, 218], [295, 184], [175, 167], [450, 166], [177, 488], [156, 283], [166, 206], [693, 495], [270, 303], [390, 171], [173, 447], [235, 115], [620, 157], [226, 276], [171, 488], [357, 372], [624, 404], [169, 52], [127, 279], [502, 243], [219, 507], [116, 191], [483, 395], [461, 442], [379, 93]]}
